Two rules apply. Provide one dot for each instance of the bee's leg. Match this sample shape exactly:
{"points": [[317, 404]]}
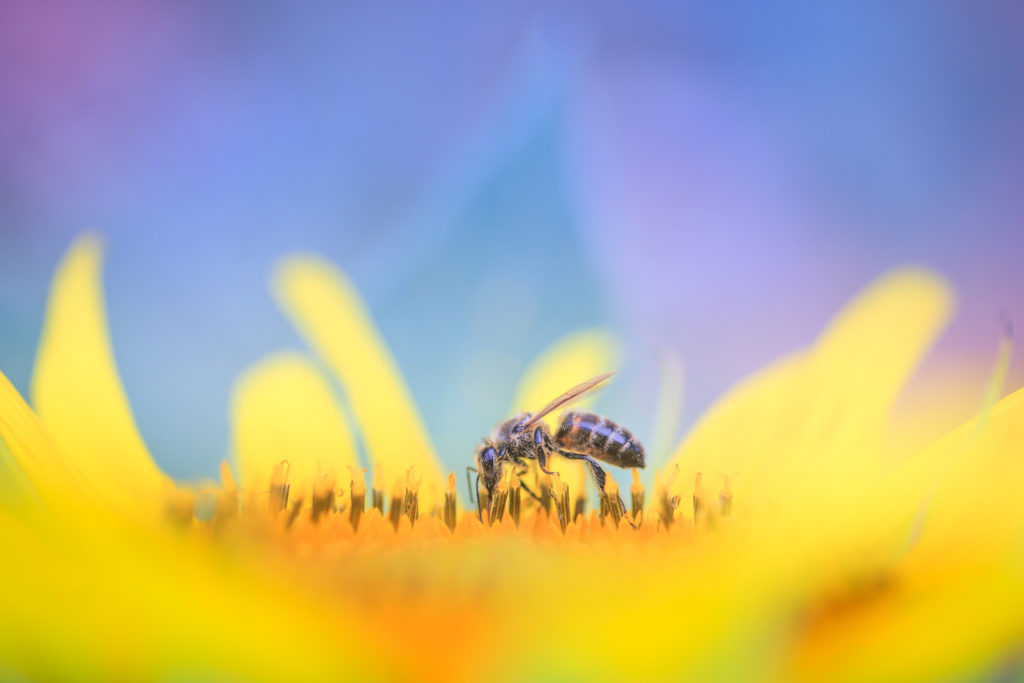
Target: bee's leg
{"points": [[596, 470], [469, 484], [542, 450], [479, 503], [599, 477], [527, 488], [519, 475]]}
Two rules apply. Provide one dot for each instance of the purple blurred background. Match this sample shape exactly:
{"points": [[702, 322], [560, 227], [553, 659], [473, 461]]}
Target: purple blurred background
{"points": [[494, 175]]}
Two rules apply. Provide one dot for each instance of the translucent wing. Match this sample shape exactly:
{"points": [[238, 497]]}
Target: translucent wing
{"points": [[568, 396]]}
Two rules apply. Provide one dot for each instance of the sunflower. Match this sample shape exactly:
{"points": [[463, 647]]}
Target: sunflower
{"points": [[786, 537]]}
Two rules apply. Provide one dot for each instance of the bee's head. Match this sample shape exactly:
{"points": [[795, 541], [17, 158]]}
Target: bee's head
{"points": [[488, 465]]}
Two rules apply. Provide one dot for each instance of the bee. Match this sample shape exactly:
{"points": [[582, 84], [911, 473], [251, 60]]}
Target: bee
{"points": [[580, 436]]}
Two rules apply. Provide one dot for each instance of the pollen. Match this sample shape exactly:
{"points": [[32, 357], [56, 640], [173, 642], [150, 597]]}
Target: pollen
{"points": [[514, 499], [378, 489], [667, 502], [496, 507], [725, 497], [323, 495], [333, 512], [450, 511], [279, 486], [610, 502], [357, 494], [411, 500], [636, 491], [698, 498], [398, 496], [562, 504]]}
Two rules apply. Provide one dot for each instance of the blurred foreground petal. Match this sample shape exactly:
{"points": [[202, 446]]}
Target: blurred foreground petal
{"points": [[952, 599], [91, 598], [16, 492]]}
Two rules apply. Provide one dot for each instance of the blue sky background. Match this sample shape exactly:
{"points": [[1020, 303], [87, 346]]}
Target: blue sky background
{"points": [[494, 175]]}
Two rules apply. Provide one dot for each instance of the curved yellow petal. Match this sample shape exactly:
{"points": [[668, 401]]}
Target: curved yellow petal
{"points": [[569, 361], [76, 389], [866, 355], [824, 408], [748, 423], [327, 310], [282, 409]]}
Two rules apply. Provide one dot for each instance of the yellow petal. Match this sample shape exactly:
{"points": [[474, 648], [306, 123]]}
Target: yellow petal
{"points": [[119, 602], [973, 512], [16, 492], [327, 310], [865, 357], [31, 457], [572, 359], [76, 389], [824, 408], [964, 564], [31, 461], [283, 409]]}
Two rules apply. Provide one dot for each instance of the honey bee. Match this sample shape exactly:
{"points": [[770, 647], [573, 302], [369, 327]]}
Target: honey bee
{"points": [[580, 436]]}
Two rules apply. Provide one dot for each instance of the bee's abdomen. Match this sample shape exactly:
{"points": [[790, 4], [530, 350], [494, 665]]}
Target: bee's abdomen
{"points": [[600, 438]]}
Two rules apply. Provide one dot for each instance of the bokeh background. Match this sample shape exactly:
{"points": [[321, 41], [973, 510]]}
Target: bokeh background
{"points": [[707, 182]]}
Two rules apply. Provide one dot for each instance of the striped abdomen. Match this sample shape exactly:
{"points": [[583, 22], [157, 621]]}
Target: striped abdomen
{"points": [[600, 438]]}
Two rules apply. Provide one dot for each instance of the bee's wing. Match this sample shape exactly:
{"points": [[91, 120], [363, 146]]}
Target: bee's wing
{"points": [[568, 396]]}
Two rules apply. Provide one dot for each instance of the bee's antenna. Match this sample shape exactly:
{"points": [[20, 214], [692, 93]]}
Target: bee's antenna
{"points": [[469, 484], [479, 503]]}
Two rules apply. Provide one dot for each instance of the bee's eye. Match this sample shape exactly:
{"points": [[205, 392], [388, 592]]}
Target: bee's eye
{"points": [[487, 457]]}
